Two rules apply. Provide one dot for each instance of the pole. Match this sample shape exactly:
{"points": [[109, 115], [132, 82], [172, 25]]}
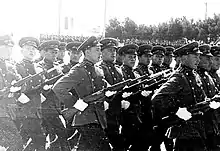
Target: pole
{"points": [[103, 35], [205, 10], [59, 16]]}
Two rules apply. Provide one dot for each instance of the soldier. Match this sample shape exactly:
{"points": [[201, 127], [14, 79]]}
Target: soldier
{"points": [[215, 50], [168, 57], [84, 79], [210, 118], [51, 118], [9, 135], [61, 52], [185, 82], [157, 58], [131, 120], [129, 54], [144, 57], [31, 125], [112, 75]]}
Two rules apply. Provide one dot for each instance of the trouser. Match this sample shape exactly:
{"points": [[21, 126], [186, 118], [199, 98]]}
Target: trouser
{"points": [[55, 128], [134, 134], [9, 135], [92, 138], [32, 128], [113, 133], [189, 145]]}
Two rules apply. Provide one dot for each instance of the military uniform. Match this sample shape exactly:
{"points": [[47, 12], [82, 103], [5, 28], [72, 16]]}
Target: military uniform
{"points": [[51, 121], [113, 75], [155, 67], [168, 53], [143, 69], [9, 135], [131, 117], [84, 79], [31, 121], [211, 118], [215, 50], [181, 90]]}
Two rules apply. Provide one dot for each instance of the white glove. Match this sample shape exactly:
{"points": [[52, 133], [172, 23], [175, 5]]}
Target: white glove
{"points": [[106, 105], [183, 114], [47, 87], [214, 105], [109, 93], [80, 105], [145, 93], [125, 104], [23, 98], [126, 94]]}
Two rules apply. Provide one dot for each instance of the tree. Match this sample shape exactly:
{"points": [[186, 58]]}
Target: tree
{"points": [[114, 29]]}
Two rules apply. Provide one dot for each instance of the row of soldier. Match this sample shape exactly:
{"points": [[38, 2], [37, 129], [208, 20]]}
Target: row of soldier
{"points": [[126, 124]]}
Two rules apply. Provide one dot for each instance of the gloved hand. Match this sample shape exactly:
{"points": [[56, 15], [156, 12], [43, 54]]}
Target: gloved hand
{"points": [[184, 114]]}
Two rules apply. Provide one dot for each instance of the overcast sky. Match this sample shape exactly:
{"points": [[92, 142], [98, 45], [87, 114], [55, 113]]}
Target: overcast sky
{"points": [[27, 17]]}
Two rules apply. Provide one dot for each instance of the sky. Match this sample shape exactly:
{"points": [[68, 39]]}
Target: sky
{"points": [[34, 17]]}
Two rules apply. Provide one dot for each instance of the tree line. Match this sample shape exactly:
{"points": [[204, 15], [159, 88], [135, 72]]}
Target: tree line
{"points": [[175, 29]]}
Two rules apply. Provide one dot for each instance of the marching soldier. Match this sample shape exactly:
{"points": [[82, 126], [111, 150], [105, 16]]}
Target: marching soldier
{"points": [[131, 120], [9, 135], [181, 90], [31, 125], [51, 120], [168, 57], [61, 52], [144, 57], [84, 79], [129, 54], [157, 58], [112, 75], [215, 50], [210, 118], [74, 54]]}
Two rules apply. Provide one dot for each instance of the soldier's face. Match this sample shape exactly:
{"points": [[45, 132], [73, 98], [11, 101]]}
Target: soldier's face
{"points": [[6, 52], [145, 59], [192, 61], [50, 54], [129, 60], [168, 59], [75, 56], [215, 62], [29, 52], [157, 59], [61, 54], [94, 54], [205, 62], [109, 54]]}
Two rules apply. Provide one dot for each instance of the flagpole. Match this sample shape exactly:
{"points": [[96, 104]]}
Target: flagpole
{"points": [[59, 16], [105, 8]]}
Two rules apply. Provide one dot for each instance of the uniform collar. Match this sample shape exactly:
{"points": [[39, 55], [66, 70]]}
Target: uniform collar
{"points": [[108, 63], [127, 67], [86, 61]]}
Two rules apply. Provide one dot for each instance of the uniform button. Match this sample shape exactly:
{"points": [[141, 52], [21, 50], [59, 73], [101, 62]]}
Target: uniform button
{"points": [[193, 88], [32, 87], [89, 72], [112, 72], [31, 80], [114, 78], [3, 75], [92, 79], [39, 80], [94, 87]]}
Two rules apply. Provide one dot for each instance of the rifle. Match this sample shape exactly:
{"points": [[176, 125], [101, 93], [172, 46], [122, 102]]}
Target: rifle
{"points": [[196, 110], [100, 95], [15, 87]]}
